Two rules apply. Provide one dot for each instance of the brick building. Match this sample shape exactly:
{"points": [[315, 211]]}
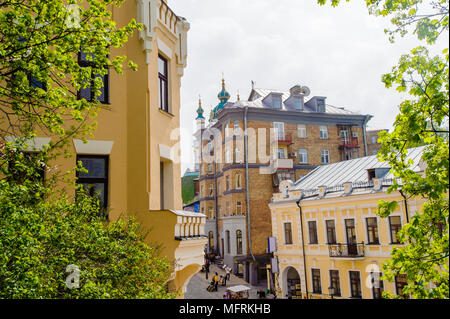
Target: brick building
{"points": [[288, 135], [372, 141]]}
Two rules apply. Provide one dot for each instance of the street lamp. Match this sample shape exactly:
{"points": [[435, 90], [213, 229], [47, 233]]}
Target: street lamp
{"points": [[331, 291]]}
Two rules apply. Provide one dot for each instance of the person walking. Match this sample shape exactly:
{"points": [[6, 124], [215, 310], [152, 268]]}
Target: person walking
{"points": [[216, 280], [207, 269], [227, 271]]}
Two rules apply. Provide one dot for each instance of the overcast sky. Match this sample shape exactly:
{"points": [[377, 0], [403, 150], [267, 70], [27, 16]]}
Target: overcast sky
{"points": [[340, 53]]}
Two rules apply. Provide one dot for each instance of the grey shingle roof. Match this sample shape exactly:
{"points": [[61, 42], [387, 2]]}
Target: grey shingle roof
{"points": [[354, 170], [285, 95]]}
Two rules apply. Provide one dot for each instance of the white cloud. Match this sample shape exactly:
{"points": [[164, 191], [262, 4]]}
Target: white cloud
{"points": [[338, 52]]}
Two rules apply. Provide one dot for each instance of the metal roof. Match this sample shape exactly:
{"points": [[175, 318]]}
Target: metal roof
{"points": [[354, 170]]}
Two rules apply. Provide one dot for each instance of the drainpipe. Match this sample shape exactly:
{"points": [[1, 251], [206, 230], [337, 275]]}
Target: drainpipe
{"points": [[215, 204], [303, 245], [406, 206], [247, 184], [368, 117]]}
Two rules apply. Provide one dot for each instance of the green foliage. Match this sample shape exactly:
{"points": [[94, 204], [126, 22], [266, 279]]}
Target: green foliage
{"points": [[40, 236], [187, 188], [422, 120], [39, 71]]}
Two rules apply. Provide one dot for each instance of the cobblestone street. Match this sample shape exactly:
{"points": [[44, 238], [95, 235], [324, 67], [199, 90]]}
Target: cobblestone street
{"points": [[196, 288]]}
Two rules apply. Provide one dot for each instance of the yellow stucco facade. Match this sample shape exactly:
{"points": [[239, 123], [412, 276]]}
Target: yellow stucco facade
{"points": [[307, 271], [140, 141]]}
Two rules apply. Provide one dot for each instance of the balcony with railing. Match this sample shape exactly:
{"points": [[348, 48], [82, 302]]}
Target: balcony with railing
{"points": [[349, 142], [351, 251], [283, 138]]}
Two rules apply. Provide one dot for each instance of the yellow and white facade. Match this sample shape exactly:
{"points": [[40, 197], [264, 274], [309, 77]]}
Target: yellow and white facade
{"points": [[328, 234], [139, 140]]}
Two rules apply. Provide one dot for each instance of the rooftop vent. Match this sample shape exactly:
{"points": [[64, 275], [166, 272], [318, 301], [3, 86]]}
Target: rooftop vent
{"points": [[299, 90]]}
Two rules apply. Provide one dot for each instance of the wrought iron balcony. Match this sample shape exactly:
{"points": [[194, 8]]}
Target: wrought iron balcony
{"points": [[346, 250]]}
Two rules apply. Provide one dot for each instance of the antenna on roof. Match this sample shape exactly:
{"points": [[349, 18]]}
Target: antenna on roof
{"points": [[253, 85]]}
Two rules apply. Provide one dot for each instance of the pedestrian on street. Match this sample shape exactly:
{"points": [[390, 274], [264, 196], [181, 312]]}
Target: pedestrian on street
{"points": [[207, 269], [227, 271], [216, 280]]}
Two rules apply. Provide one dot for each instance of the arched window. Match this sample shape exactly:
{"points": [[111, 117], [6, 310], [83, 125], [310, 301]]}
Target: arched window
{"points": [[238, 242], [211, 240]]}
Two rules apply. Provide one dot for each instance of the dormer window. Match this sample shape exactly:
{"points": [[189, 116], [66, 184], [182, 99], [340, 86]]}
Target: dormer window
{"points": [[320, 105], [276, 102], [298, 103]]}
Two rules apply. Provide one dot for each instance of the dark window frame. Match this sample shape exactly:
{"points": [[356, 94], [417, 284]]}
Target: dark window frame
{"points": [[239, 246], [287, 233], [316, 281], [399, 284], [163, 98], [377, 292], [373, 237], [106, 83], [312, 230], [355, 284], [396, 228], [334, 241], [96, 180], [335, 282]]}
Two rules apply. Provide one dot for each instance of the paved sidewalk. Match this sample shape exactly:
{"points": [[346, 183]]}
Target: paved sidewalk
{"points": [[196, 288]]}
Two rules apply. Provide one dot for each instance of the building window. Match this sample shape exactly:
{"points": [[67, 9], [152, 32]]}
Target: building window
{"points": [[19, 175], [276, 102], [238, 208], [237, 153], [331, 231], [298, 104], [163, 77], [317, 287], [211, 213], [302, 156], [321, 105], [227, 182], [400, 283], [301, 130], [238, 181], [202, 191], [236, 128], [377, 285], [323, 132], [312, 226], [325, 157], [374, 139], [228, 209], [211, 240], [372, 230], [219, 208], [280, 153], [395, 226], [88, 93], [95, 180], [219, 188], [279, 130], [227, 237], [287, 233], [211, 191], [238, 242], [355, 284], [334, 282], [228, 158]]}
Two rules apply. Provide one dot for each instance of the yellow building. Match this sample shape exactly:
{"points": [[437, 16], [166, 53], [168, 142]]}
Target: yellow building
{"points": [[329, 239], [133, 160]]}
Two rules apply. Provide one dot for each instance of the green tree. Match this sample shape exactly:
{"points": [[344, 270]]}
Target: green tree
{"points": [[422, 120], [39, 71], [45, 244]]}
